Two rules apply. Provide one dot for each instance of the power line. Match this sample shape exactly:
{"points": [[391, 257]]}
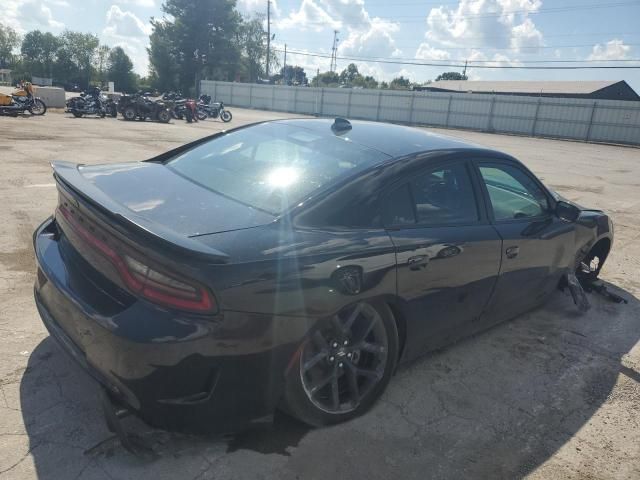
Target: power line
{"points": [[461, 65]]}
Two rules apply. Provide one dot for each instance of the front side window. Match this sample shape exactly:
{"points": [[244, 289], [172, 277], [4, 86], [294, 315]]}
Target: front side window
{"points": [[440, 196], [272, 166], [512, 192]]}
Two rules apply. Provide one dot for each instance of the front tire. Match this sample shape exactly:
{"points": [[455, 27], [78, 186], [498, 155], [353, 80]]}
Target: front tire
{"points": [[344, 366], [38, 107], [164, 116], [226, 116]]}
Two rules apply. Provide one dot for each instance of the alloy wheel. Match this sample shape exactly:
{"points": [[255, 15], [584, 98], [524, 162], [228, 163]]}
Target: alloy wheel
{"points": [[343, 362]]}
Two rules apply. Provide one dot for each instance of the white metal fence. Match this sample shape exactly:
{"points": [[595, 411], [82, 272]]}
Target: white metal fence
{"points": [[612, 121]]}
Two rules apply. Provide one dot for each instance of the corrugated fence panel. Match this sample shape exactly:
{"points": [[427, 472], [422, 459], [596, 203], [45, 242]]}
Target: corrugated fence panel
{"points": [[574, 118]]}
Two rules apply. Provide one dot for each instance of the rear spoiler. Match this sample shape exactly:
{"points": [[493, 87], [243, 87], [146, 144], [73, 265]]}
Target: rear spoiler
{"points": [[125, 221]]}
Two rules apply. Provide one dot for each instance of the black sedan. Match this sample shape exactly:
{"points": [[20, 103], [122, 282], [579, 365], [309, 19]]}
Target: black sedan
{"points": [[293, 264]]}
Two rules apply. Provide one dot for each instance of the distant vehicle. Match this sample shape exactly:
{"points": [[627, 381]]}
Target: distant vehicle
{"points": [[22, 100], [292, 264], [140, 107]]}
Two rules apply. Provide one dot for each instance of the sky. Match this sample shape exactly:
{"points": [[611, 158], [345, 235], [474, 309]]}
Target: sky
{"points": [[497, 32]]}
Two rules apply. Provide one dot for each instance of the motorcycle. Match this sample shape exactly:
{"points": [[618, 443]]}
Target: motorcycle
{"points": [[139, 107], [175, 103], [206, 109], [91, 103], [22, 100]]}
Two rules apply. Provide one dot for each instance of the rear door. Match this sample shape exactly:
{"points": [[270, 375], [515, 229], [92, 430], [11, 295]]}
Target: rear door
{"points": [[536, 243], [448, 255]]}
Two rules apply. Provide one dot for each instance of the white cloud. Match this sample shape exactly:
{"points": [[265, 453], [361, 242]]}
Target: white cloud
{"points": [[124, 29], [139, 3], [252, 7], [24, 15], [122, 23], [427, 52], [612, 50], [485, 23], [527, 36], [310, 16]]}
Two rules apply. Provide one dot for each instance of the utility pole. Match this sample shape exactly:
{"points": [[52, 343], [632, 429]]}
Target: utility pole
{"points": [[268, 35], [284, 71], [464, 72], [334, 52]]}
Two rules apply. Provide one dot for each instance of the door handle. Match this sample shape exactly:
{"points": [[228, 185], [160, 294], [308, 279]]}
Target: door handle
{"points": [[512, 252], [417, 262]]}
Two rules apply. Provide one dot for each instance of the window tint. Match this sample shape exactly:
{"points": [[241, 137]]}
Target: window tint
{"points": [[397, 208], [512, 192], [273, 166], [444, 196]]}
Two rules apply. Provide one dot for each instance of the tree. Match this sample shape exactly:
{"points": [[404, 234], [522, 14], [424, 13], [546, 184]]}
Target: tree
{"points": [[451, 76], [163, 58], [79, 49], [252, 37], [9, 40], [39, 52], [399, 83], [292, 75], [197, 28], [365, 82], [120, 70], [349, 74], [326, 79], [101, 62]]}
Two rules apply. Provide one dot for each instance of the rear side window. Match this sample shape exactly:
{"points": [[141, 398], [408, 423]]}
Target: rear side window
{"points": [[273, 166], [445, 196], [440, 196]]}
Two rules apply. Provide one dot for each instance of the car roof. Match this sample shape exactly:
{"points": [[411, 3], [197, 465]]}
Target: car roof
{"points": [[393, 140]]}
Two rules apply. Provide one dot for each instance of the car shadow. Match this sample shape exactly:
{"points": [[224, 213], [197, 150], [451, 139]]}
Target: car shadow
{"points": [[497, 405]]}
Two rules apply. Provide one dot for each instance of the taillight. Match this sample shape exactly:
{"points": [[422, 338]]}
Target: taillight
{"points": [[158, 287]]}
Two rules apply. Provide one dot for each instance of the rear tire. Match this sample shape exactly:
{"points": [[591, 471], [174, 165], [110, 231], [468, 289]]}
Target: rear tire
{"points": [[129, 113], [77, 114], [226, 116], [113, 111], [188, 115], [344, 366]]}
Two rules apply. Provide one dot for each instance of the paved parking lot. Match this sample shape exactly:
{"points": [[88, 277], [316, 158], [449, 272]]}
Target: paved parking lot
{"points": [[552, 394]]}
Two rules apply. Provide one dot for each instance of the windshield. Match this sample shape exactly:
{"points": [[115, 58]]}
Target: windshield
{"points": [[272, 166]]}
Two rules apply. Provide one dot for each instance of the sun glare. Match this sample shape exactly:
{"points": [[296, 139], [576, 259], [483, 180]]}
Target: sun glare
{"points": [[282, 177]]}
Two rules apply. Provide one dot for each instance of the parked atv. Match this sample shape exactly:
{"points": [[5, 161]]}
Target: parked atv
{"points": [[22, 100], [139, 107]]}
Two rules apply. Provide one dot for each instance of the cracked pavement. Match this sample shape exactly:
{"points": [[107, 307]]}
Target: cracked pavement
{"points": [[551, 394]]}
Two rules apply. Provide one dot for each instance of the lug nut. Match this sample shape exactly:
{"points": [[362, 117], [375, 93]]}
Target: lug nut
{"points": [[332, 358], [335, 345], [346, 342], [349, 355], [340, 365]]}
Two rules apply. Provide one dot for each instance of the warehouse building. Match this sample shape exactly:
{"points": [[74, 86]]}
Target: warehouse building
{"points": [[594, 89]]}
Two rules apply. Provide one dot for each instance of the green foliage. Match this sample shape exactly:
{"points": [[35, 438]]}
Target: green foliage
{"points": [[78, 49], [120, 68], [451, 76], [326, 79], [400, 83], [39, 52], [9, 40], [212, 29], [291, 75]]}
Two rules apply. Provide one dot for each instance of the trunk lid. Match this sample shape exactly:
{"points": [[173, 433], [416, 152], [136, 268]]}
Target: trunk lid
{"points": [[159, 200]]}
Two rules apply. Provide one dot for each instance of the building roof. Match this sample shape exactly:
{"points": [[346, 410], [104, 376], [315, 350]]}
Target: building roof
{"points": [[543, 87]]}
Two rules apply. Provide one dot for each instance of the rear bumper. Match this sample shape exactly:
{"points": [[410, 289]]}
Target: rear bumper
{"points": [[176, 372]]}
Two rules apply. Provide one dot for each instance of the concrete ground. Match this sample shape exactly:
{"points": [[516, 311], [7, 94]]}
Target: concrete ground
{"points": [[552, 394]]}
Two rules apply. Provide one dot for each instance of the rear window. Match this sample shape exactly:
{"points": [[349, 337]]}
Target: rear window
{"points": [[272, 166]]}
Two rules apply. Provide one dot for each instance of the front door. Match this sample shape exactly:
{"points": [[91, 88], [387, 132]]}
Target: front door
{"points": [[447, 253], [534, 253]]}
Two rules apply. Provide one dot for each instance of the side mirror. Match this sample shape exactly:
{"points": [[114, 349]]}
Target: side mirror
{"points": [[566, 211]]}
